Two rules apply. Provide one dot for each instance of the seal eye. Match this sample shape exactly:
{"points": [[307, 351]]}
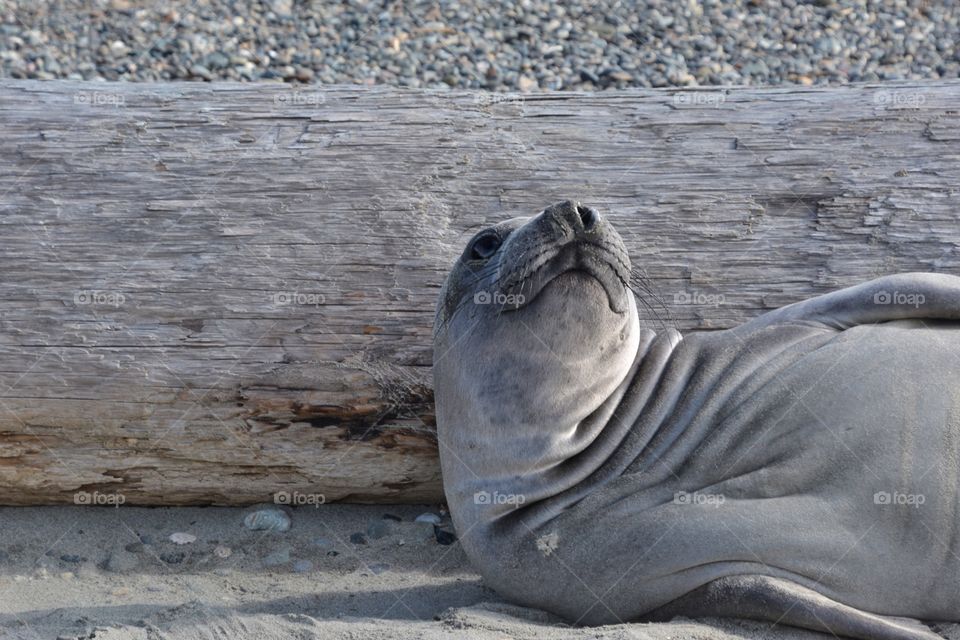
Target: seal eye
{"points": [[485, 246]]}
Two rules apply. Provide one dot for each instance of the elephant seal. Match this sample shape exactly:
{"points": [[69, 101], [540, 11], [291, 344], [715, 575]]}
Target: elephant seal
{"points": [[802, 468]]}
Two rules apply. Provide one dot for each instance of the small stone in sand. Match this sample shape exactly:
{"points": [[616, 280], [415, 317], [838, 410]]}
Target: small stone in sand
{"points": [[432, 518], [445, 537], [323, 543], [71, 558], [120, 561], [267, 520], [378, 567], [222, 552], [182, 538], [390, 516], [358, 538], [302, 566]]}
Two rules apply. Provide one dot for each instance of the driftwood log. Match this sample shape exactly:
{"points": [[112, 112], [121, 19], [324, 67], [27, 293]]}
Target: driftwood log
{"points": [[211, 293]]}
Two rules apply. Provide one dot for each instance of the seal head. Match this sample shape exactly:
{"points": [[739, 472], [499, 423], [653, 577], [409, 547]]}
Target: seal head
{"points": [[536, 331]]}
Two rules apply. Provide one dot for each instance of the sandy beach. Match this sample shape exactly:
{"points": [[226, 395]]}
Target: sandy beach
{"points": [[353, 572]]}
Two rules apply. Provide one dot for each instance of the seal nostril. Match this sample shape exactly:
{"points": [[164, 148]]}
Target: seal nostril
{"points": [[588, 216]]}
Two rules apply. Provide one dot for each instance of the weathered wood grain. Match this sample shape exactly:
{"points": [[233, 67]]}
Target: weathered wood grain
{"points": [[191, 211]]}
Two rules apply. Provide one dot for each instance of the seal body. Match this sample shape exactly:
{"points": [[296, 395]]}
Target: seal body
{"points": [[802, 468]]}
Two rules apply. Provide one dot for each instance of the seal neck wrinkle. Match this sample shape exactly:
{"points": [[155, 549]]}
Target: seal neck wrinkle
{"points": [[516, 436]]}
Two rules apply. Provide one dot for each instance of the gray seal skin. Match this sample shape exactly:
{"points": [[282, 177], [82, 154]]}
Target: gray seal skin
{"points": [[802, 468]]}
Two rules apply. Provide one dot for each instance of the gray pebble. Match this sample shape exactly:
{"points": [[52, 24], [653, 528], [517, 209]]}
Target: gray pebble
{"points": [[432, 518], [302, 566], [121, 561], [267, 520], [324, 543], [358, 538]]}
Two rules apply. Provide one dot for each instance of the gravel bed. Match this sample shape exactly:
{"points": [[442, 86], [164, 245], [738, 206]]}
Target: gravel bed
{"points": [[498, 45]]}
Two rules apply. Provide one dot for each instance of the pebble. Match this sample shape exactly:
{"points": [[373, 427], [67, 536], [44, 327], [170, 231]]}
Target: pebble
{"points": [[432, 518], [72, 558], [222, 552], [267, 519], [324, 543], [173, 557], [358, 538], [302, 566], [445, 537], [498, 45], [121, 561], [378, 567], [182, 538]]}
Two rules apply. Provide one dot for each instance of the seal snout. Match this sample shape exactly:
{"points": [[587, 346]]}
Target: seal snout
{"points": [[566, 237], [575, 217], [588, 216]]}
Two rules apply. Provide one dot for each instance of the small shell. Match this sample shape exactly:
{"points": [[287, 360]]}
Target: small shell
{"points": [[182, 538]]}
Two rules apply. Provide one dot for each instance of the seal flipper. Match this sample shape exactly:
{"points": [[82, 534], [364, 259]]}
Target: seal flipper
{"points": [[904, 296], [779, 601]]}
